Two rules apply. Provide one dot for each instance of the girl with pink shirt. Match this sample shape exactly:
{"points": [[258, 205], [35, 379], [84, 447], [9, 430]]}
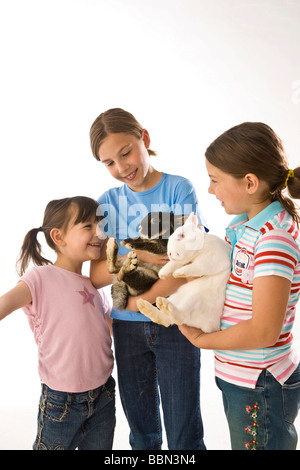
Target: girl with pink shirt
{"points": [[70, 322]]}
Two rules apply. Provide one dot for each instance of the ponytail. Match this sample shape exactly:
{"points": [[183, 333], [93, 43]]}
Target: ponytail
{"points": [[31, 250], [292, 183], [253, 147], [292, 188], [114, 121]]}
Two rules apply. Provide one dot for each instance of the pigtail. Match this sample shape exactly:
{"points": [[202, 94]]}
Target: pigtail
{"points": [[293, 183], [31, 250], [292, 188]]}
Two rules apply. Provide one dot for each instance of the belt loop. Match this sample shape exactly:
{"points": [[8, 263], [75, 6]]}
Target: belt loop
{"points": [[69, 397]]}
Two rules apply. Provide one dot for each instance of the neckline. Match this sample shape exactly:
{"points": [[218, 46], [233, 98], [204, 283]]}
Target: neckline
{"points": [[260, 219], [148, 191]]}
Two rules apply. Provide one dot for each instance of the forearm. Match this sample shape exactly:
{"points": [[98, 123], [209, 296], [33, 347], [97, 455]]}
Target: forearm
{"points": [[262, 330], [161, 288], [244, 336], [99, 275]]}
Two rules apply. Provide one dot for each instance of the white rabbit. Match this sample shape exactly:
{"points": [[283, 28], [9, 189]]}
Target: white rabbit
{"points": [[199, 303]]}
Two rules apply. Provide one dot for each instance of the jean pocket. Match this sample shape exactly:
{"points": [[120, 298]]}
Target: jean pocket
{"points": [[291, 396], [109, 389], [54, 408]]}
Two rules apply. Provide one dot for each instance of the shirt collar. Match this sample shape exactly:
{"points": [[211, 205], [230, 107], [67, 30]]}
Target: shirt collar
{"points": [[260, 219], [237, 227]]}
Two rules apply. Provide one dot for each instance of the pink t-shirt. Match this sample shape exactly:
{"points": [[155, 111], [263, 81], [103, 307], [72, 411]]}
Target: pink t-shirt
{"points": [[67, 319]]}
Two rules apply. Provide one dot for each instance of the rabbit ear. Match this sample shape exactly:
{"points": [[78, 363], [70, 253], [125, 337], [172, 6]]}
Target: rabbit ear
{"points": [[192, 219]]}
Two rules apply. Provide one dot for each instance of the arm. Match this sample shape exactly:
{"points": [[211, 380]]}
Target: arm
{"points": [[14, 299], [161, 287], [147, 257], [269, 304], [99, 275]]}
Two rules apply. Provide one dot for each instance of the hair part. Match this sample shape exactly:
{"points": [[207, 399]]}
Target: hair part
{"points": [[59, 213], [253, 147], [114, 121]]}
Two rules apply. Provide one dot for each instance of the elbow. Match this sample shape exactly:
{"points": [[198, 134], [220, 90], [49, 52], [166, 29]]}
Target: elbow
{"points": [[272, 340], [268, 338]]}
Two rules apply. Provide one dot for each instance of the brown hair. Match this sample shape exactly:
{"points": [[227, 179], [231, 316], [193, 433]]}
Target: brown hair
{"points": [[253, 147], [58, 214], [114, 121]]}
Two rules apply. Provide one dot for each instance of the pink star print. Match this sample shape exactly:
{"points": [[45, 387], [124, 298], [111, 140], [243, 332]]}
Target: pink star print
{"points": [[87, 296]]}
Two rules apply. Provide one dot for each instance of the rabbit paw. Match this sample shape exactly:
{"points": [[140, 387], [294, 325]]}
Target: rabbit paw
{"points": [[129, 265], [169, 310], [112, 250], [153, 313]]}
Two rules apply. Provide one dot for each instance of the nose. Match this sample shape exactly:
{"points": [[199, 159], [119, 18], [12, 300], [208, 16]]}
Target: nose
{"points": [[210, 189], [122, 168]]}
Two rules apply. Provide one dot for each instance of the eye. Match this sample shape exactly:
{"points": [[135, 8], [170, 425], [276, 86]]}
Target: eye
{"points": [[127, 150], [180, 236], [126, 154]]}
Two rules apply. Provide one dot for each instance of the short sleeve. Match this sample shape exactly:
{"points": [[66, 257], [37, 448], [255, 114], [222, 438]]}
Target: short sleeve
{"points": [[104, 300], [276, 253], [33, 281]]}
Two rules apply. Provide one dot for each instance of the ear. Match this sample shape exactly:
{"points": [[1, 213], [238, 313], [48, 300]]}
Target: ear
{"points": [[252, 183], [57, 237], [192, 219], [146, 138]]}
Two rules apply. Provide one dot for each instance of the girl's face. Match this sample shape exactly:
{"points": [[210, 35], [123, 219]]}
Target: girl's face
{"points": [[83, 239], [78, 244], [230, 191], [127, 159]]}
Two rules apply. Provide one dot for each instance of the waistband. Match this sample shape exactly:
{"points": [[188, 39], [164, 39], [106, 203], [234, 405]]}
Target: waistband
{"points": [[77, 396]]}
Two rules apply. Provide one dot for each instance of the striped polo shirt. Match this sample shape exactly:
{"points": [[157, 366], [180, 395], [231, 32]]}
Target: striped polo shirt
{"points": [[267, 245]]}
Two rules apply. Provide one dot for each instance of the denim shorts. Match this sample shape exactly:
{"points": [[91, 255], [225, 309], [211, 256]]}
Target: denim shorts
{"points": [[83, 421], [262, 418]]}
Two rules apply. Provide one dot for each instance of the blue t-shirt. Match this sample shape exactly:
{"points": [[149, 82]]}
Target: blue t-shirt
{"points": [[124, 209]]}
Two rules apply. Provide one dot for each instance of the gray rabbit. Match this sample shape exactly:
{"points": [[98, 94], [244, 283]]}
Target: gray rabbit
{"points": [[131, 276]]}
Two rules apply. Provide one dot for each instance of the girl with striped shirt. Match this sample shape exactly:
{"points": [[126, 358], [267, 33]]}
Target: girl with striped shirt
{"points": [[257, 368]]}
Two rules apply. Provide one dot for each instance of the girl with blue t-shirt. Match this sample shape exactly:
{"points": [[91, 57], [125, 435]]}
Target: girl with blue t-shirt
{"points": [[257, 367], [154, 363]]}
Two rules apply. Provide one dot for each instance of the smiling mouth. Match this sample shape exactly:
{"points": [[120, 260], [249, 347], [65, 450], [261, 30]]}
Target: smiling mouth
{"points": [[131, 176]]}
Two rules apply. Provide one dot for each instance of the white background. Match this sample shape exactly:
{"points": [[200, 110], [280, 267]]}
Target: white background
{"points": [[187, 69]]}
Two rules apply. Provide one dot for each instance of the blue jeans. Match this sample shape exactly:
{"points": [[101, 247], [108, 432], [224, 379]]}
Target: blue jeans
{"points": [[151, 359], [262, 418], [83, 421]]}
